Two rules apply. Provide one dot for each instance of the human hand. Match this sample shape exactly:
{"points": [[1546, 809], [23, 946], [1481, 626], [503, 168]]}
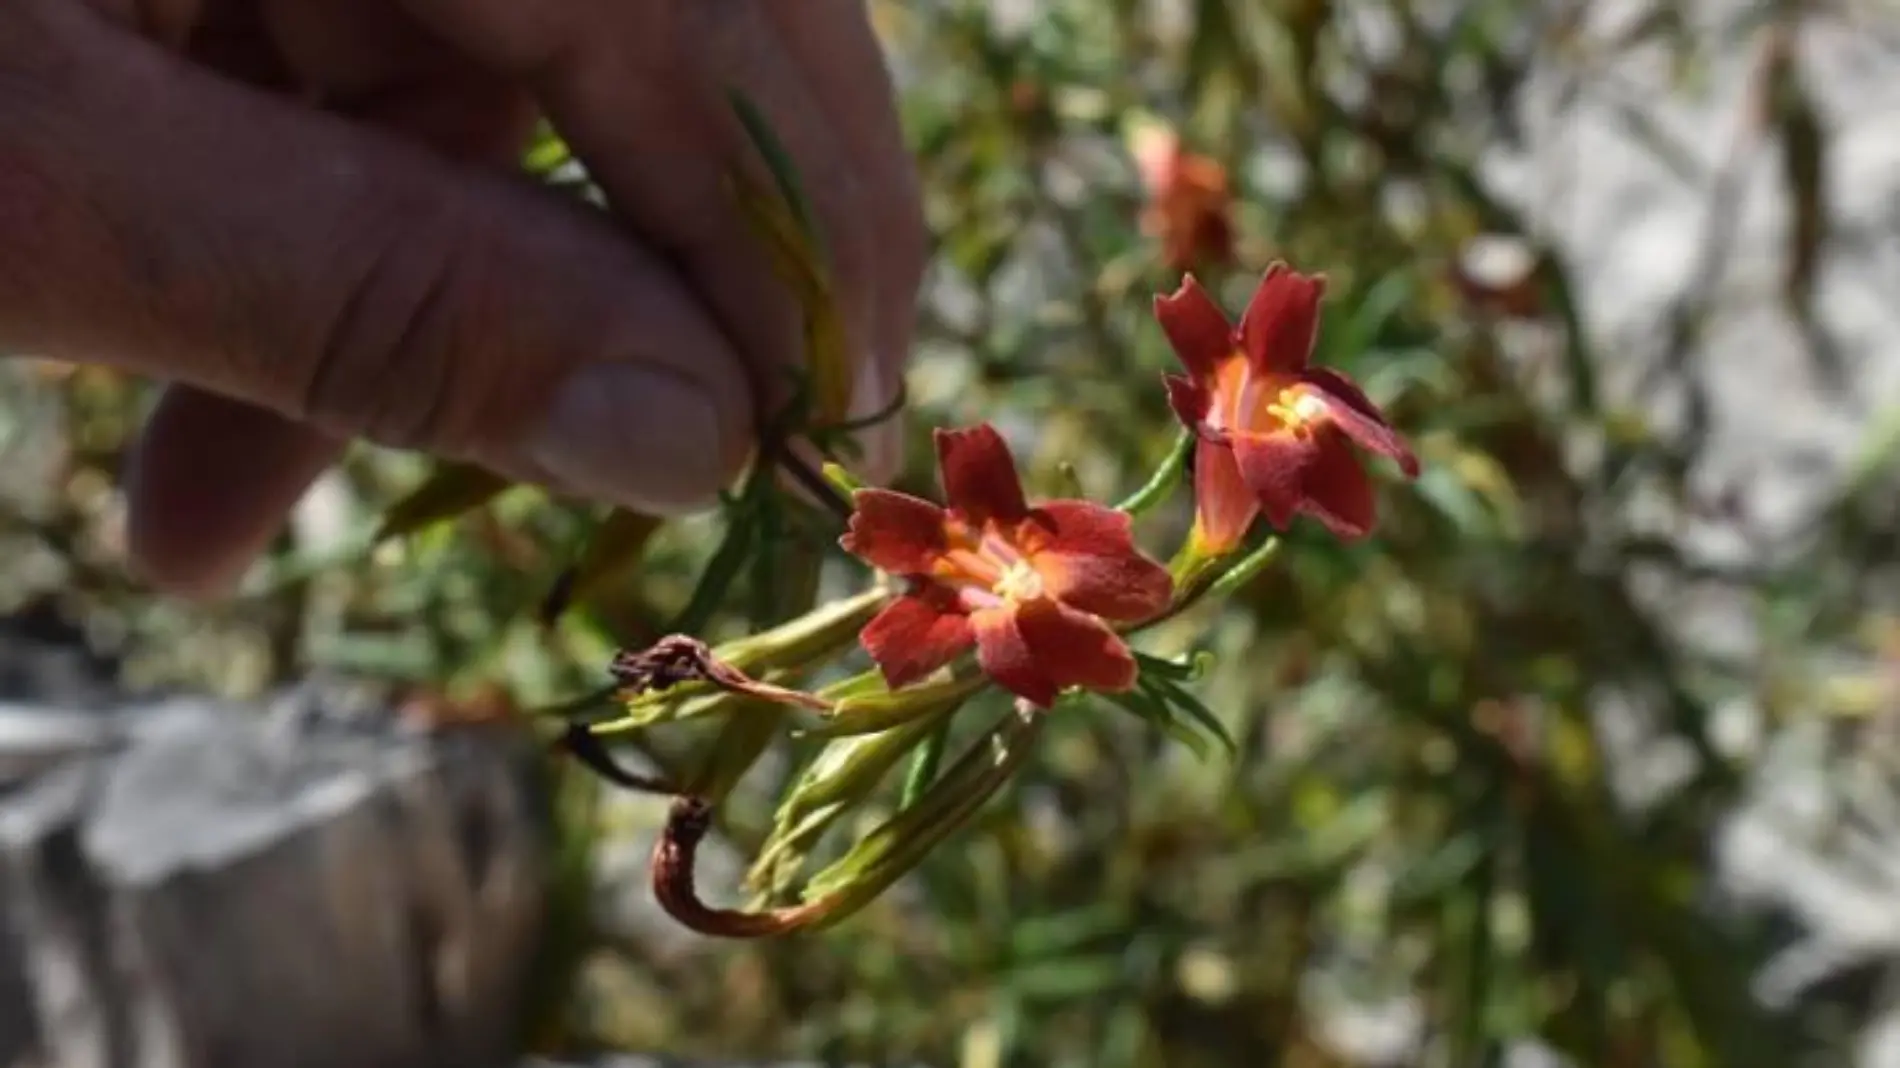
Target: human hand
{"points": [[305, 214]]}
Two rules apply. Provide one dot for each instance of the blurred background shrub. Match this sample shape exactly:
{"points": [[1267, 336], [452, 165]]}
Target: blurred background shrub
{"points": [[1518, 774]]}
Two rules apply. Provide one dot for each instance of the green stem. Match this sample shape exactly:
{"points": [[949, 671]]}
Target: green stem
{"points": [[1245, 571], [1193, 584], [841, 478], [1165, 478]]}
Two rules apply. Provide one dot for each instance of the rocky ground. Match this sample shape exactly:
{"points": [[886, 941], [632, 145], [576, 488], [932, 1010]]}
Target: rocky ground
{"points": [[193, 885]]}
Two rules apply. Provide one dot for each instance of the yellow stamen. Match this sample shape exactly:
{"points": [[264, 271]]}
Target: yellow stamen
{"points": [[1297, 409], [986, 567], [1019, 583]]}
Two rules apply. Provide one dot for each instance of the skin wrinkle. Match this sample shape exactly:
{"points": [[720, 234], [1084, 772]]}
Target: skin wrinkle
{"points": [[355, 372], [425, 337], [673, 197], [29, 196], [392, 349], [36, 68], [160, 277]]}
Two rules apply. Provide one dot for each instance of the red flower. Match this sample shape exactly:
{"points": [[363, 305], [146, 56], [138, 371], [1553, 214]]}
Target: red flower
{"points": [[1030, 587], [1190, 202], [1276, 434]]}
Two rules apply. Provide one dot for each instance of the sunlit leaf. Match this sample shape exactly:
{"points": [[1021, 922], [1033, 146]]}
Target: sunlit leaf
{"points": [[613, 551], [451, 489]]}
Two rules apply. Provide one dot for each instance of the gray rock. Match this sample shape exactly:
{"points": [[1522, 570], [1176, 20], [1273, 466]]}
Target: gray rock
{"points": [[193, 885]]}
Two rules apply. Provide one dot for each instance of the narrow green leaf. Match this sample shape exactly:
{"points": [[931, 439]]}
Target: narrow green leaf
{"points": [[924, 765], [1147, 708], [1169, 669], [1179, 698], [777, 159], [1065, 981], [844, 774], [716, 581], [764, 579], [615, 547], [1380, 303], [450, 490]]}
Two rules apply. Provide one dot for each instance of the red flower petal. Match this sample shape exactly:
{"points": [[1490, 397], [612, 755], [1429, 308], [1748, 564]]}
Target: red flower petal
{"points": [[979, 475], [1004, 656], [914, 636], [1189, 399], [1090, 562], [1224, 505], [1337, 492], [895, 532], [1275, 465], [1359, 417], [1196, 327], [1037, 649], [1078, 527], [1278, 327], [1074, 648]]}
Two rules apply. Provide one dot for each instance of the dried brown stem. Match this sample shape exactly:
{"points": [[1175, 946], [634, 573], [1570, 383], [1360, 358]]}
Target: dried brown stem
{"points": [[675, 886], [811, 481], [584, 746], [680, 658]]}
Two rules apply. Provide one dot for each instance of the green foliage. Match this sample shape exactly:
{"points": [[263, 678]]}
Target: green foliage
{"points": [[1394, 785]]}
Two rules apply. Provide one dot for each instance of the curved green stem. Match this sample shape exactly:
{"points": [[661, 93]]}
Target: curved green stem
{"points": [[1165, 478]]}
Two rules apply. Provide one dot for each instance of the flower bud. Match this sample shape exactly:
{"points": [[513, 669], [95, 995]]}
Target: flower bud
{"points": [[868, 713], [842, 776], [898, 845]]}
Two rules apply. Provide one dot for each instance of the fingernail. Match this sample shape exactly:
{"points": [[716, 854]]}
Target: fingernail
{"points": [[635, 437]]}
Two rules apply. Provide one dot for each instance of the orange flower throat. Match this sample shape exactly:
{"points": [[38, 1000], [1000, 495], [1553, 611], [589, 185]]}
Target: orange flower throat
{"points": [[985, 568], [1245, 400]]}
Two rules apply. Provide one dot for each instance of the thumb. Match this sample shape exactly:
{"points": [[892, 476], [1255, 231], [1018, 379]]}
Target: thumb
{"points": [[159, 219]]}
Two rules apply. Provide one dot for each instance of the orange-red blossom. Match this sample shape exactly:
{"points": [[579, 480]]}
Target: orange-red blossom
{"points": [[1190, 202], [1033, 588], [1276, 434]]}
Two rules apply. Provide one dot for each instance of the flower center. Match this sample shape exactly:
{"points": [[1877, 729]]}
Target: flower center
{"points": [[987, 569], [1297, 409], [1263, 403], [1019, 583]]}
